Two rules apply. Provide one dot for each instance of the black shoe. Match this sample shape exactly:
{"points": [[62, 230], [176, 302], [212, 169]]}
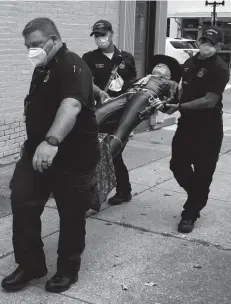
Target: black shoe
{"points": [[20, 278], [118, 199], [186, 226], [60, 282]]}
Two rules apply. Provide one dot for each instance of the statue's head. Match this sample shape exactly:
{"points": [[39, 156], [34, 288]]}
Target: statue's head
{"points": [[161, 70], [165, 65]]}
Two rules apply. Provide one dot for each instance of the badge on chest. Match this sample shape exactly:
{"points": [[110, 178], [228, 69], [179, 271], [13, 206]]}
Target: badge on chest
{"points": [[201, 72], [122, 65]]}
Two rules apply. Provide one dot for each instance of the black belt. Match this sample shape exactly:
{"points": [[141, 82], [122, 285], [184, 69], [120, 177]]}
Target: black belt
{"points": [[140, 89]]}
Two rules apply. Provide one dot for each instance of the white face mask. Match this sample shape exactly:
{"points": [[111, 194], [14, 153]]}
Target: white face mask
{"points": [[116, 84], [207, 50], [102, 42], [38, 56]]}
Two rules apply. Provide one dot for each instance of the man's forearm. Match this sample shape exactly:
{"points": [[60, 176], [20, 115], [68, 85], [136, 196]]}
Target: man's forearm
{"points": [[96, 90], [197, 104], [65, 119]]}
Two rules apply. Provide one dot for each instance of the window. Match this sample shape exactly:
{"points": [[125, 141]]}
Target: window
{"points": [[191, 44], [168, 27]]}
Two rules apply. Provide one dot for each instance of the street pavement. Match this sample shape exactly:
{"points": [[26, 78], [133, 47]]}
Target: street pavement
{"points": [[134, 254]]}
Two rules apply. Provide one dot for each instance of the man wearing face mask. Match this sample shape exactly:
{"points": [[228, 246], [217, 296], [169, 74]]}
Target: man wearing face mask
{"points": [[114, 71], [198, 138], [60, 156]]}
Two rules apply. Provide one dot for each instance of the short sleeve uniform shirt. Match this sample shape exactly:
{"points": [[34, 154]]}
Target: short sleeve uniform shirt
{"points": [[66, 76], [101, 67], [200, 77]]}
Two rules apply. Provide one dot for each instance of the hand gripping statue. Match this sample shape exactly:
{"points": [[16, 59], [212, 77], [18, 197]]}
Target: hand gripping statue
{"points": [[141, 100]]}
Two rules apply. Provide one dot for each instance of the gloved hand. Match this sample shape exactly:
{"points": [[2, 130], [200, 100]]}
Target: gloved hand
{"points": [[172, 108], [103, 96], [166, 102], [153, 106], [157, 104]]}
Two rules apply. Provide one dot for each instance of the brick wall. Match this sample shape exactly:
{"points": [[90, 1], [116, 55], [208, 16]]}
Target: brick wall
{"points": [[12, 136], [73, 19]]}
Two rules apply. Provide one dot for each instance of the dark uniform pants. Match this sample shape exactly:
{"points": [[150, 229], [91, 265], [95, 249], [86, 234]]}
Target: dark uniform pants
{"points": [[195, 152], [30, 192], [123, 185]]}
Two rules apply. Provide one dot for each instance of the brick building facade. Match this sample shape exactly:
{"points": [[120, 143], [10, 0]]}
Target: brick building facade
{"points": [[74, 20]]}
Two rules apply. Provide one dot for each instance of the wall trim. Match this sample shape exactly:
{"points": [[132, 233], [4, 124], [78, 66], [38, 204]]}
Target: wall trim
{"points": [[127, 25], [161, 26]]}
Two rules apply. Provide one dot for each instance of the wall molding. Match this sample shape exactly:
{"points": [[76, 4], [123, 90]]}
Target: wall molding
{"points": [[127, 25]]}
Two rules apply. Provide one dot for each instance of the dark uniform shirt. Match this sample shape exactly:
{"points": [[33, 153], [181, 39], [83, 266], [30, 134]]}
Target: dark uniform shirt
{"points": [[200, 77], [101, 67], [66, 76]]}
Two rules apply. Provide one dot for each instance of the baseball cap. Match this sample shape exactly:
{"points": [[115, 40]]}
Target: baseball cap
{"points": [[214, 34], [102, 27]]}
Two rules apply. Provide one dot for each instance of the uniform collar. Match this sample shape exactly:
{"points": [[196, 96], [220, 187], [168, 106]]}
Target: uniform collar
{"points": [[116, 51], [205, 60], [57, 56]]}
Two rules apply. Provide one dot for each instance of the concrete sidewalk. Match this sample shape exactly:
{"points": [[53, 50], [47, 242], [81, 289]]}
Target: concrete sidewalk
{"points": [[137, 243]]}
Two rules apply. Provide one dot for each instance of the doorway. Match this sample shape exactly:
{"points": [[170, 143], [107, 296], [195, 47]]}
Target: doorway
{"points": [[144, 35]]}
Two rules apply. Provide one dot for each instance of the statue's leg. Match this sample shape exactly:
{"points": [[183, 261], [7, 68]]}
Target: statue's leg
{"points": [[107, 116], [129, 120], [109, 109]]}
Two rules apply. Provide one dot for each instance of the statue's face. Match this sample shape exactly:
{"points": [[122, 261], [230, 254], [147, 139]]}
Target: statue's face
{"points": [[161, 70]]}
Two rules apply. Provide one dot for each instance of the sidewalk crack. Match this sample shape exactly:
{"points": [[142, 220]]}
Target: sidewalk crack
{"points": [[152, 161], [164, 234]]}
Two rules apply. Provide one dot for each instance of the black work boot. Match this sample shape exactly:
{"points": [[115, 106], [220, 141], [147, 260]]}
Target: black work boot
{"points": [[186, 225], [60, 282], [118, 199], [20, 278]]}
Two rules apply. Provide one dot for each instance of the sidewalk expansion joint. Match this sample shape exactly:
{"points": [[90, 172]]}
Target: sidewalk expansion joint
{"points": [[64, 295], [184, 193], [11, 252], [50, 234], [223, 153], [4, 255], [51, 207], [152, 161], [151, 187], [222, 172], [160, 183], [164, 234], [142, 191], [5, 215]]}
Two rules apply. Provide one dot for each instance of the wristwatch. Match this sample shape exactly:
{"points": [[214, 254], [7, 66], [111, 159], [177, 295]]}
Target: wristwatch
{"points": [[51, 140]]}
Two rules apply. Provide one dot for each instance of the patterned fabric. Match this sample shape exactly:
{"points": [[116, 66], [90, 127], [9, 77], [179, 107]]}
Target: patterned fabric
{"points": [[104, 173]]}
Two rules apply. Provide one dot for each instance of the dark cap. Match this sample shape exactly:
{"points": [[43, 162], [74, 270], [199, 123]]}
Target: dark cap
{"points": [[214, 34], [102, 27]]}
